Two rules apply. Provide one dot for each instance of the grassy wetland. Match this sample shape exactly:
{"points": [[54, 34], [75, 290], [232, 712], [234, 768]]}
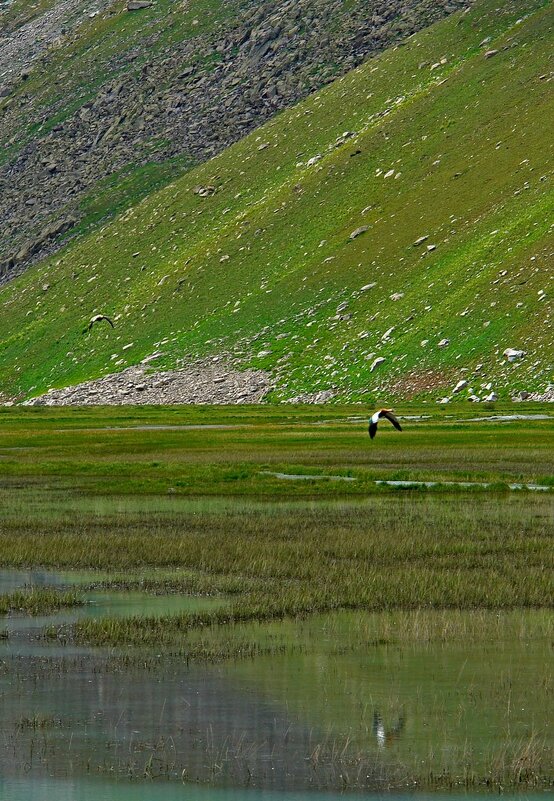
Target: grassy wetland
{"points": [[400, 633]]}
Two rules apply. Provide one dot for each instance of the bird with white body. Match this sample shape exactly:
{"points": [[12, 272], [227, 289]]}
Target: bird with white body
{"points": [[379, 415], [97, 319]]}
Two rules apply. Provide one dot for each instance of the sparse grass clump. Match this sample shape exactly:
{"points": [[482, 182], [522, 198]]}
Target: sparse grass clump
{"points": [[38, 601]]}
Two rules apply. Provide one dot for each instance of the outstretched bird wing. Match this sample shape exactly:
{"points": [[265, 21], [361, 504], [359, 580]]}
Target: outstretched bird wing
{"points": [[372, 429], [98, 318], [390, 416]]}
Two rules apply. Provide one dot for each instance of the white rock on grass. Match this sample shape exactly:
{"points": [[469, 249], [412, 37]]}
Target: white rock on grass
{"points": [[379, 360], [512, 354], [459, 386]]}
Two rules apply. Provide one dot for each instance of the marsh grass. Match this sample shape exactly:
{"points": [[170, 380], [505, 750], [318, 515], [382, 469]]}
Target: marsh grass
{"points": [[338, 762], [522, 765], [479, 552], [88, 489], [38, 601], [39, 721]]}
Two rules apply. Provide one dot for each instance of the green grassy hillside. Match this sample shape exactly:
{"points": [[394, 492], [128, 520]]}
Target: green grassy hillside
{"points": [[448, 143], [96, 97]]}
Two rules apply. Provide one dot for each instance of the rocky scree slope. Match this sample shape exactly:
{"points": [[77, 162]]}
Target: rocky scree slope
{"points": [[99, 105], [204, 381], [390, 236]]}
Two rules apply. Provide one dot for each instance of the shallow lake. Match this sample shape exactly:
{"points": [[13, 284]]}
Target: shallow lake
{"points": [[344, 701], [87, 790]]}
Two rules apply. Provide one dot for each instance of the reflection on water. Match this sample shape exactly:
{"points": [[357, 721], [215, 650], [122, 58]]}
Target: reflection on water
{"points": [[387, 736], [338, 708]]}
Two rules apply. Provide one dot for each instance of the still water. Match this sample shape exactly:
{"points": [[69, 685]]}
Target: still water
{"points": [[344, 701], [86, 790]]}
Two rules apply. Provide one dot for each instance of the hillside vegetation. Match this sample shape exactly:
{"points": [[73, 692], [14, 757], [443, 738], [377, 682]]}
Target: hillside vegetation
{"points": [[100, 105], [294, 251]]}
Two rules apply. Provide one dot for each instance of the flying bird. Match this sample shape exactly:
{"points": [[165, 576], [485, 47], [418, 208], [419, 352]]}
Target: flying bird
{"points": [[387, 413], [98, 318]]}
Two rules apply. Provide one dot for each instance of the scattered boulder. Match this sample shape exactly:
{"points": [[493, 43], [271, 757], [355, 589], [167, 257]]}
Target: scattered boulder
{"points": [[344, 138], [491, 397], [540, 397], [491, 53], [513, 354], [204, 191], [444, 343], [136, 5], [323, 396], [359, 231], [459, 386], [376, 362]]}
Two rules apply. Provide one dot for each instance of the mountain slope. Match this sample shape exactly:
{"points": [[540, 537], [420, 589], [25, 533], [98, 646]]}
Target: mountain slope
{"points": [[100, 105], [448, 139]]}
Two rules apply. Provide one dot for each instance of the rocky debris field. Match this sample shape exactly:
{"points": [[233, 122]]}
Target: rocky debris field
{"points": [[541, 397], [189, 99], [203, 382], [20, 46]]}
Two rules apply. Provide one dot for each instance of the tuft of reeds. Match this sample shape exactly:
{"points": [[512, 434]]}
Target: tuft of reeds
{"points": [[38, 601]]}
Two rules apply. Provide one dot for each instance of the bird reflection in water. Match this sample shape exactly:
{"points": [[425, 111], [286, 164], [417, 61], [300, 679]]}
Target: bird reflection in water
{"points": [[387, 736]]}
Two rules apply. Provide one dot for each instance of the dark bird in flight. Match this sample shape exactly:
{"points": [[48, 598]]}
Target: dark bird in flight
{"points": [[387, 413], [98, 318]]}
